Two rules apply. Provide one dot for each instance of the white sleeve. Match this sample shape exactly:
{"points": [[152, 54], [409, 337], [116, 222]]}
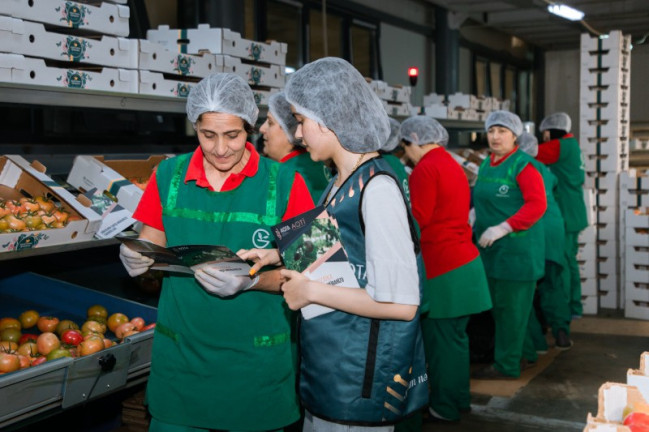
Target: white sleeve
{"points": [[391, 263]]}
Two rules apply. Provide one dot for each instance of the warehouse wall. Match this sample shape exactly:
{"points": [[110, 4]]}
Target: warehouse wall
{"points": [[411, 10], [562, 85], [639, 87]]}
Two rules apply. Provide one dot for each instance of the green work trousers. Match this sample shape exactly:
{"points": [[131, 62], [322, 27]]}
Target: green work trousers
{"points": [[159, 426], [554, 296], [447, 354], [512, 304], [571, 250], [534, 339]]}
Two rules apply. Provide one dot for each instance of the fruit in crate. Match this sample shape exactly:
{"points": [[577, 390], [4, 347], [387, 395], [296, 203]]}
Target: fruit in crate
{"points": [[32, 214], [636, 417]]}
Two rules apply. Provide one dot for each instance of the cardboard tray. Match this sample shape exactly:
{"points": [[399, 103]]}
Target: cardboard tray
{"points": [[67, 382]]}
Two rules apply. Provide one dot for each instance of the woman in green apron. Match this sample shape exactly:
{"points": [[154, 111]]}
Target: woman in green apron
{"points": [[509, 200], [221, 354], [390, 147], [456, 284], [280, 144]]}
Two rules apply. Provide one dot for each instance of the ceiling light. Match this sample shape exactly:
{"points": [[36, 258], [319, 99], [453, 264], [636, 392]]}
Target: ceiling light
{"points": [[566, 12]]}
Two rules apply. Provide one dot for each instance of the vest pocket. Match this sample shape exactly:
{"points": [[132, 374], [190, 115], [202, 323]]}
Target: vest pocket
{"points": [[370, 362]]}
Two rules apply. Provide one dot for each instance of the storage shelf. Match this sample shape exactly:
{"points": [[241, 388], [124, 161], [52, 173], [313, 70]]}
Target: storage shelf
{"points": [[46, 250], [62, 96]]}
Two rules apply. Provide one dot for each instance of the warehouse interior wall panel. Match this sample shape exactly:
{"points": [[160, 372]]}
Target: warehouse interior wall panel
{"points": [[639, 74], [562, 79]]}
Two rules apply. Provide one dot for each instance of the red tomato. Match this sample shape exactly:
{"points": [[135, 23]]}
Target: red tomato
{"points": [[47, 323], [47, 342], [138, 323], [71, 337], [122, 329], [148, 326], [38, 360], [9, 362], [64, 325], [27, 337], [25, 361], [637, 422]]}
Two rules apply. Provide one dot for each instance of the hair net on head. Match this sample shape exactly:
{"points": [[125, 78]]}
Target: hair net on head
{"points": [[224, 93], [422, 129], [506, 119], [393, 139], [528, 143], [333, 93], [281, 111], [558, 120]]}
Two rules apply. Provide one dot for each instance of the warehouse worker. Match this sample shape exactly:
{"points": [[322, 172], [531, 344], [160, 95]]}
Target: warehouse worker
{"points": [[363, 362], [221, 354], [552, 288], [561, 153], [390, 147], [280, 144], [456, 284], [509, 200]]}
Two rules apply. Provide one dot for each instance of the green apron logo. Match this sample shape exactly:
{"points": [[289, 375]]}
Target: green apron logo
{"points": [[74, 14], [254, 51], [182, 64], [503, 191], [261, 238], [406, 188]]}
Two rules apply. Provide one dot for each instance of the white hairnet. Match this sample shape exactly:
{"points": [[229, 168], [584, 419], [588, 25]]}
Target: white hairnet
{"points": [[528, 143], [558, 120], [333, 93], [393, 139], [281, 111], [224, 93], [506, 119], [422, 129]]}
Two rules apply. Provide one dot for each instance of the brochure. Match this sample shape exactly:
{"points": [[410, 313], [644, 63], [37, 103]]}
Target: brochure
{"points": [[189, 258], [114, 217], [311, 244]]}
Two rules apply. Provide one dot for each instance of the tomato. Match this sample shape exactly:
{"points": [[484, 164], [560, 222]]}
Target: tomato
{"points": [[122, 329], [28, 318], [64, 325], [97, 310], [138, 323], [108, 343], [9, 362], [10, 334], [58, 353], [8, 346], [47, 323], [38, 360], [91, 345], [45, 203], [29, 348], [93, 326], [115, 320], [72, 337], [637, 421], [148, 326], [8, 322], [47, 342], [26, 337], [25, 361]]}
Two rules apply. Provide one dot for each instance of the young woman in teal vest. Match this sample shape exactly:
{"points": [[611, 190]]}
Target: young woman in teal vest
{"points": [[362, 364], [456, 284], [221, 354], [280, 144], [561, 153], [509, 199]]}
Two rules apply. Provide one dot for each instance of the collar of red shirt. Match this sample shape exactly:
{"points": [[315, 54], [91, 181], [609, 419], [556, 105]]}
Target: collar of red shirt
{"points": [[292, 154], [491, 157], [196, 172]]}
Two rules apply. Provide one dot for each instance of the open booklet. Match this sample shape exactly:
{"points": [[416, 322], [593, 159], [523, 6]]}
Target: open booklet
{"points": [[310, 243], [188, 258]]}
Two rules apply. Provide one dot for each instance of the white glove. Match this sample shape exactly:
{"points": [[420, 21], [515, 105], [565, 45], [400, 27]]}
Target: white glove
{"points": [[134, 262], [494, 233], [221, 283], [472, 216]]}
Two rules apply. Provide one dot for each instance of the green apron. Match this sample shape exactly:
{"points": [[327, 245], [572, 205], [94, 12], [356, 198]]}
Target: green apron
{"points": [[400, 172], [316, 175], [496, 197], [552, 220], [222, 363]]}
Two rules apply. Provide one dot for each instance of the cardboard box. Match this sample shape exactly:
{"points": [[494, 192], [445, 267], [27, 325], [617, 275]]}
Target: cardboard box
{"points": [[589, 304], [16, 68], [613, 398], [436, 111], [68, 381], [32, 39], [640, 377], [396, 109], [218, 41], [258, 74], [155, 83], [262, 96], [156, 57], [20, 178], [104, 18]]}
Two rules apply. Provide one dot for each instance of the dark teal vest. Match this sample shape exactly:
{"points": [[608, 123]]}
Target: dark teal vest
{"points": [[358, 370]]}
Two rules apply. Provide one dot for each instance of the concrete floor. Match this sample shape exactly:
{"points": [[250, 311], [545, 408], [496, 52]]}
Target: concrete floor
{"points": [[562, 395]]}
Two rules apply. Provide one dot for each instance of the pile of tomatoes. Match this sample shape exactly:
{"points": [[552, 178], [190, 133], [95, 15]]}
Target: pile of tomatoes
{"points": [[32, 214], [32, 339]]}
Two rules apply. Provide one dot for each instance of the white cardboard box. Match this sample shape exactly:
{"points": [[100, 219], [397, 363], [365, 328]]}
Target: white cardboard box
{"points": [[104, 18], [258, 74], [17, 174], [32, 39], [155, 57], [155, 83], [218, 41], [17, 68], [262, 96]]}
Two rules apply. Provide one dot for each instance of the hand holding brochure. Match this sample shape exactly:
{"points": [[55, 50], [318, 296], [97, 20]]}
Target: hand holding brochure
{"points": [[310, 243], [188, 258]]}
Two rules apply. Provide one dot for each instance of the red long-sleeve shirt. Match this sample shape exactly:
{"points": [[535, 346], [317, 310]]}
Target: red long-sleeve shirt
{"points": [[149, 209], [550, 151]]}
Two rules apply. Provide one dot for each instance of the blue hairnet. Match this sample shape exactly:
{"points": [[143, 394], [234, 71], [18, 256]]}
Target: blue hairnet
{"points": [[422, 130], [528, 143], [558, 120], [506, 119], [333, 93], [224, 93], [393, 139], [281, 111]]}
